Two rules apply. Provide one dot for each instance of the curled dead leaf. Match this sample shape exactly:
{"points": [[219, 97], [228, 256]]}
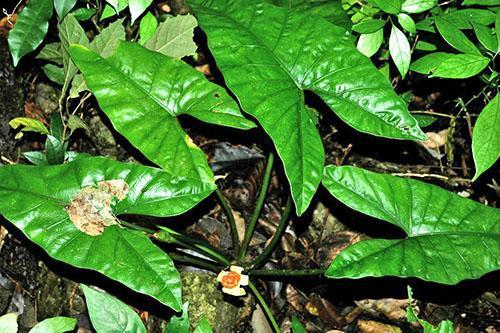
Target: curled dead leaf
{"points": [[90, 209]]}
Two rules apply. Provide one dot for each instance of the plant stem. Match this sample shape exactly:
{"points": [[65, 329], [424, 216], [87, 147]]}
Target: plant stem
{"points": [[265, 307], [278, 234], [195, 262], [230, 217], [195, 245], [183, 241], [258, 207], [287, 272]]}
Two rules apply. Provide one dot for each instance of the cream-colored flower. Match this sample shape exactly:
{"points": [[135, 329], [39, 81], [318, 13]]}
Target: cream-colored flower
{"points": [[233, 280]]}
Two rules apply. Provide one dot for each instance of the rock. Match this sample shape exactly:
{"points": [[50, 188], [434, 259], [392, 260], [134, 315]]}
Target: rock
{"points": [[47, 97], [204, 297]]}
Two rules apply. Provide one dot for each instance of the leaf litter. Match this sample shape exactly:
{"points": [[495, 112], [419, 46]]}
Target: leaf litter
{"points": [[91, 208]]}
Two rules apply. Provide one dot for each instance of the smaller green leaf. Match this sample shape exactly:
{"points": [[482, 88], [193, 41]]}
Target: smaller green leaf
{"points": [[400, 50], [426, 25], [110, 315], [428, 63], [74, 123], [388, 6], [297, 326], [51, 52], [55, 325], [36, 157], [110, 10], [368, 26], [78, 85], [63, 7], [56, 126], [453, 36], [179, 324], [147, 27], [174, 37], [418, 6], [369, 44], [445, 326], [106, 42], [70, 31], [8, 323], [203, 326], [137, 8], [475, 15], [485, 36], [480, 2], [83, 14], [28, 125], [460, 66], [424, 120], [55, 150], [30, 28], [486, 137], [54, 73], [407, 23], [422, 45]]}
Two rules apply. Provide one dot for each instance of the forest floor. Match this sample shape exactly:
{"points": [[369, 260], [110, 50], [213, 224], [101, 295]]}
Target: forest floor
{"points": [[37, 287]]}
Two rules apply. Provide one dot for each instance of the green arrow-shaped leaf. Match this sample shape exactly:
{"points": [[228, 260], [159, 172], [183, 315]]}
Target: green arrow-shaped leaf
{"points": [[110, 315], [269, 55], [142, 92], [36, 200], [449, 238]]}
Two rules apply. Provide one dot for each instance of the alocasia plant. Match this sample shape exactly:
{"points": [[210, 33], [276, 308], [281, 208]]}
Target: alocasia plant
{"points": [[269, 54], [297, 53]]}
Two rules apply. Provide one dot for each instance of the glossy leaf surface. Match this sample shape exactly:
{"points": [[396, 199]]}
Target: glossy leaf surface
{"points": [[269, 66], [55, 325], [486, 137], [369, 44], [453, 36], [63, 7], [30, 28], [449, 238], [174, 37], [329, 9], [8, 323], [137, 8], [418, 6], [109, 315], [400, 50], [142, 92], [34, 200], [460, 66]]}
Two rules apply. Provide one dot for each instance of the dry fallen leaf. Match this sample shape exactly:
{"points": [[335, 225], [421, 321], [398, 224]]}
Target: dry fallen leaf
{"points": [[90, 209], [370, 326], [393, 309]]}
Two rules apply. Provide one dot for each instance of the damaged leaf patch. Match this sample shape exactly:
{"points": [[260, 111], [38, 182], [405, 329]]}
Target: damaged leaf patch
{"points": [[90, 209]]}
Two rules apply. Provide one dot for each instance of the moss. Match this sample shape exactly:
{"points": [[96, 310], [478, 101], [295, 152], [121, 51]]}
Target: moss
{"points": [[204, 297]]}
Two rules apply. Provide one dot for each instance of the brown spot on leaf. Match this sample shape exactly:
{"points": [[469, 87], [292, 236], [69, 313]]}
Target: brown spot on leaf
{"points": [[90, 209]]}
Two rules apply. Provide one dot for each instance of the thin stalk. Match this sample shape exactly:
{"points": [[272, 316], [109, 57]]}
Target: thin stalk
{"points": [[196, 245], [230, 217], [265, 307], [258, 207], [278, 234], [287, 272], [183, 241], [195, 262]]}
